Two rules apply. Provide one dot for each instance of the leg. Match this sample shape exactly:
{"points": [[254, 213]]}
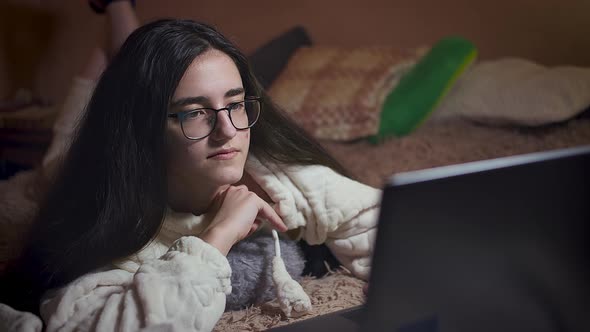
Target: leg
{"points": [[96, 65], [74, 105], [122, 21]]}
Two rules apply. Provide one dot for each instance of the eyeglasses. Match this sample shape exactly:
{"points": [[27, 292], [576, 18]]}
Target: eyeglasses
{"points": [[199, 123]]}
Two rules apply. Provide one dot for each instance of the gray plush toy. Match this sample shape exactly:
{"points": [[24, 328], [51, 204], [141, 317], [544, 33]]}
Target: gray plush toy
{"points": [[251, 262]]}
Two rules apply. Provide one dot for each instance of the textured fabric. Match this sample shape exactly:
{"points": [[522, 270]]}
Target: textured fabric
{"points": [[337, 93], [250, 261], [336, 291], [18, 321], [326, 207], [183, 282], [185, 289], [514, 91], [322, 205]]}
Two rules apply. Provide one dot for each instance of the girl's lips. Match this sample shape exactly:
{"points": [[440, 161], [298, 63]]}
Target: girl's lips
{"points": [[223, 154]]}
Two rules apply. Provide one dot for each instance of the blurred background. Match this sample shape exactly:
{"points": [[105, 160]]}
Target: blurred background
{"points": [[44, 43]]}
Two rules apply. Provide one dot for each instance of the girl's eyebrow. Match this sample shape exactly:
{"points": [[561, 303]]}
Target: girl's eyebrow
{"points": [[203, 100], [234, 92]]}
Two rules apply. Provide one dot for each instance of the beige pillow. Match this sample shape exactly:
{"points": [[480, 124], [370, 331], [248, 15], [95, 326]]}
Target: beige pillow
{"points": [[337, 93], [513, 91]]}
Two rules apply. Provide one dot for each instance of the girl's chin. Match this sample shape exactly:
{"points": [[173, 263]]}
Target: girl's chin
{"points": [[227, 178]]}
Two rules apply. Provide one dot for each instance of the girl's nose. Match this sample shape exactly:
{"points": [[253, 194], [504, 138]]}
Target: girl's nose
{"points": [[224, 129]]}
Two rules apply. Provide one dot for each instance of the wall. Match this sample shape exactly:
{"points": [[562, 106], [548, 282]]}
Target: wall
{"points": [[546, 31]]}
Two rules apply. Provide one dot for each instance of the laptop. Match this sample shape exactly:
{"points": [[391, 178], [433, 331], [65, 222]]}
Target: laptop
{"points": [[495, 245]]}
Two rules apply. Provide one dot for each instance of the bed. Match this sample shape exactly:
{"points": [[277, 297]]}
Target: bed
{"points": [[497, 108], [481, 118]]}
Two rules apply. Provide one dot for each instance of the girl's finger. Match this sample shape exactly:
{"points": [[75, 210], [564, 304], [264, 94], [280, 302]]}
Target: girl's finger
{"points": [[266, 211]]}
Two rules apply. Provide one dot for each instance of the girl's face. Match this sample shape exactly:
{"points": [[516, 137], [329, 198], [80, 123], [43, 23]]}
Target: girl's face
{"points": [[208, 165]]}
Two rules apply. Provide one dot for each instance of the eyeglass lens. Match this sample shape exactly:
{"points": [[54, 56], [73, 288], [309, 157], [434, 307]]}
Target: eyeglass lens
{"points": [[200, 122]]}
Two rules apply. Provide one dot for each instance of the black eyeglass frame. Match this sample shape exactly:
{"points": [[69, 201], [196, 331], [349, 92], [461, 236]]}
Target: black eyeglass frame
{"points": [[183, 114]]}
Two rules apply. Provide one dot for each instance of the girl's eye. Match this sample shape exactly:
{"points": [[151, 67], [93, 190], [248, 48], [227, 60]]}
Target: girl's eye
{"points": [[195, 114], [236, 106]]}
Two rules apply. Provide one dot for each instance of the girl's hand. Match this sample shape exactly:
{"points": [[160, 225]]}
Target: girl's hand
{"points": [[237, 212]]}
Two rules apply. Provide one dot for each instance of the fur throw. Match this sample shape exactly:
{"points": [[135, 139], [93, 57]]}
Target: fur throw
{"points": [[251, 261]]}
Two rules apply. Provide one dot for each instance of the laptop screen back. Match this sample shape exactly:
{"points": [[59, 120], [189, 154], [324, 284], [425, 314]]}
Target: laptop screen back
{"points": [[498, 245]]}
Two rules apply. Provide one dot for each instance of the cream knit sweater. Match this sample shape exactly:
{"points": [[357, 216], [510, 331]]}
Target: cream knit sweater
{"points": [[179, 282]]}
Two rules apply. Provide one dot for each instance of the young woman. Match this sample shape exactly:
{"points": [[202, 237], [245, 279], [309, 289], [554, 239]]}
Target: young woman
{"points": [[179, 156]]}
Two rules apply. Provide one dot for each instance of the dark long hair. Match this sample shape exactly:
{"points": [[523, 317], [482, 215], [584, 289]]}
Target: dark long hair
{"points": [[109, 198]]}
